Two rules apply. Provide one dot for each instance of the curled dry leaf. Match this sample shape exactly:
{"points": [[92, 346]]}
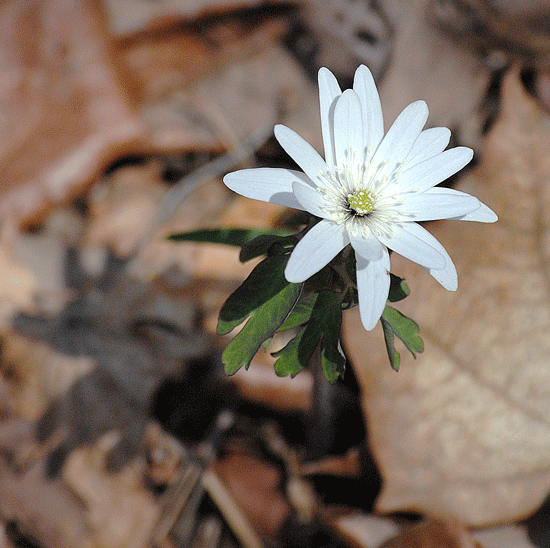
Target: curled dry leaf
{"points": [[464, 431]]}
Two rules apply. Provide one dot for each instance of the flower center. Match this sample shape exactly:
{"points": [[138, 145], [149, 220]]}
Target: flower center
{"points": [[361, 202]]}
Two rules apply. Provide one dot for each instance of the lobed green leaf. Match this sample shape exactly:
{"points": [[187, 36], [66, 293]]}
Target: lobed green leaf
{"points": [[265, 282], [301, 313], [406, 329], [266, 299], [322, 313], [261, 325], [296, 354]]}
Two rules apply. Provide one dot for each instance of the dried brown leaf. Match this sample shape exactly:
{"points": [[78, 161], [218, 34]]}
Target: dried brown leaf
{"points": [[464, 430], [180, 78], [256, 487], [131, 16], [433, 534], [65, 115]]}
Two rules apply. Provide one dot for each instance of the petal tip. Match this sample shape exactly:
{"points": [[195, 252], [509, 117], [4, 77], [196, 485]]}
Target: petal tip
{"points": [[368, 323], [324, 71]]}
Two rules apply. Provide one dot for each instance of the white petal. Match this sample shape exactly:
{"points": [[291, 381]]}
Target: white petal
{"points": [[309, 198], [447, 276], [482, 215], [365, 87], [329, 90], [267, 184], [348, 129], [301, 152], [416, 244], [399, 140], [430, 142], [373, 284], [370, 249], [433, 171], [315, 250], [437, 203]]}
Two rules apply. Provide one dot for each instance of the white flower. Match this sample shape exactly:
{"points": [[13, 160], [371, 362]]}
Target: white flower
{"points": [[370, 190]]}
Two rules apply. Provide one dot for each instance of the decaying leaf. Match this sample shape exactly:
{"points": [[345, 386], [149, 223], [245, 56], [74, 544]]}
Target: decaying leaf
{"points": [[464, 430], [75, 100]]}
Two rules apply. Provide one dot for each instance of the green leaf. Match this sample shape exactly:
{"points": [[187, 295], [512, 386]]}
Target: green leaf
{"points": [[398, 289], [296, 354], [333, 359], [393, 355], [323, 314], [405, 328], [301, 313], [266, 281], [228, 236], [267, 298], [264, 243]]}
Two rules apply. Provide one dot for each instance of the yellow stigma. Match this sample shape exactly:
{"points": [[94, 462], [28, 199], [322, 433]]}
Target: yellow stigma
{"points": [[361, 202]]}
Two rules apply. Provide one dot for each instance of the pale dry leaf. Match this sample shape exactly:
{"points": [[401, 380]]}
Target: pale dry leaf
{"points": [[365, 530], [464, 430], [19, 285], [261, 385], [180, 79], [119, 510], [43, 509], [346, 33], [249, 96], [505, 536], [430, 65], [122, 207], [37, 374]]}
